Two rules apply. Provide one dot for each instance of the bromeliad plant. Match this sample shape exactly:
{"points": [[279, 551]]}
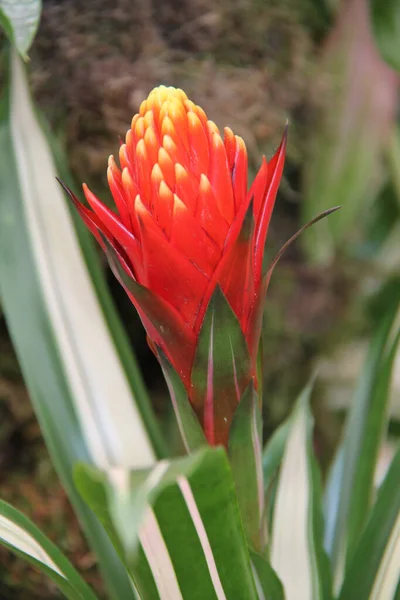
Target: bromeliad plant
{"points": [[187, 244], [234, 521]]}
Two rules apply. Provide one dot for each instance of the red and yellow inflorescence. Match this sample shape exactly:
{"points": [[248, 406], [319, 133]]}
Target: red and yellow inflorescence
{"points": [[182, 199]]}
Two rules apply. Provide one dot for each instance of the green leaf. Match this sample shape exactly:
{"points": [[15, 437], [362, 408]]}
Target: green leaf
{"points": [[267, 582], [385, 20], [374, 569], [92, 486], [244, 449], [221, 369], [296, 541], [273, 452], [375, 430], [179, 527], [351, 132], [350, 485], [81, 394], [20, 20], [190, 429], [382, 220], [21, 536]]}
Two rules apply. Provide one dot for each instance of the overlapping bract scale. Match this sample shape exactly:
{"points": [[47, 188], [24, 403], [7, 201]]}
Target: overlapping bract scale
{"points": [[185, 221]]}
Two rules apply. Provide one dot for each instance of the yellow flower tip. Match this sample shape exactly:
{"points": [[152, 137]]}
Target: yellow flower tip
{"points": [[179, 206], [193, 120], [128, 184], [170, 146], [148, 119], [168, 127], [141, 152], [126, 178], [143, 108], [204, 184], [164, 192], [167, 166], [110, 176], [139, 128], [134, 121], [150, 138], [180, 173], [212, 128], [240, 144], [216, 141], [156, 174], [123, 156]]}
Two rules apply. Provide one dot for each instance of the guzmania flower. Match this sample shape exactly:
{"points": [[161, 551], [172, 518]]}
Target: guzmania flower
{"points": [[186, 224]]}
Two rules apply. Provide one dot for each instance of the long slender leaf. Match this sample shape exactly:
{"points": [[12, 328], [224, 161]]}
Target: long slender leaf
{"points": [[80, 392], [273, 452], [296, 545], [20, 20], [349, 487], [375, 429], [374, 569], [178, 525], [356, 118], [191, 432], [244, 448], [267, 582], [23, 538]]}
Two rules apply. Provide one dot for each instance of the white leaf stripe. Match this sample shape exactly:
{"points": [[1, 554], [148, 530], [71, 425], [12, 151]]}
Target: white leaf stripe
{"points": [[290, 549], [202, 534], [260, 591], [155, 549], [158, 558], [21, 540], [388, 575], [109, 418]]}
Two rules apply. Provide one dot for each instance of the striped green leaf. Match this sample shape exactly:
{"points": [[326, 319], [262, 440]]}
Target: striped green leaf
{"points": [[273, 452], [178, 525], [296, 541], [245, 448], [374, 568], [267, 583], [20, 20], [190, 429], [21, 536], [350, 487], [83, 381], [346, 167]]}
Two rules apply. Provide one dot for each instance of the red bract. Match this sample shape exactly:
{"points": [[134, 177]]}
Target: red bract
{"points": [[181, 198]]}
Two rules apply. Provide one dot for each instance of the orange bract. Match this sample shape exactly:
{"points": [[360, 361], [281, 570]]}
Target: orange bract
{"points": [[177, 162]]}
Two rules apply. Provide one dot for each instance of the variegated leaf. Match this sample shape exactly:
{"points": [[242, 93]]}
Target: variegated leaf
{"points": [[21, 536], [374, 568], [179, 527], [296, 541], [245, 449]]}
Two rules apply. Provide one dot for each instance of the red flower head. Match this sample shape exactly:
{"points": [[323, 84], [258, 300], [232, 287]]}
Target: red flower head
{"points": [[179, 231]]}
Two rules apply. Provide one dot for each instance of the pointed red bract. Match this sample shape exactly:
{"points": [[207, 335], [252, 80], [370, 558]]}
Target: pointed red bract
{"points": [[185, 224]]}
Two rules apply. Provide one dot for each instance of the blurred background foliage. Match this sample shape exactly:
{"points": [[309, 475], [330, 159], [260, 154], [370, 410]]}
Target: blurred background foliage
{"points": [[327, 66]]}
